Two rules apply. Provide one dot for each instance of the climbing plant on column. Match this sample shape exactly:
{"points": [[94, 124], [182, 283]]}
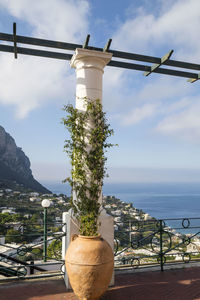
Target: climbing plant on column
{"points": [[89, 131]]}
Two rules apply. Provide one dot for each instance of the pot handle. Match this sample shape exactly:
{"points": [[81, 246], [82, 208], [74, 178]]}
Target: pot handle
{"points": [[73, 237]]}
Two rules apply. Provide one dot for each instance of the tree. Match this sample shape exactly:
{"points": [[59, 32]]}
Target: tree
{"points": [[13, 236], [54, 249]]}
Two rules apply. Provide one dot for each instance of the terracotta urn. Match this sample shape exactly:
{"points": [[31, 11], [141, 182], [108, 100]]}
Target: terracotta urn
{"points": [[89, 263]]}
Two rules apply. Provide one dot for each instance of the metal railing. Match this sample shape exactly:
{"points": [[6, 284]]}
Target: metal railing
{"points": [[157, 242], [22, 250], [138, 244]]}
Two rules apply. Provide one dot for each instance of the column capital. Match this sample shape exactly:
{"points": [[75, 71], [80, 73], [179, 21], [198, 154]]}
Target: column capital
{"points": [[84, 58]]}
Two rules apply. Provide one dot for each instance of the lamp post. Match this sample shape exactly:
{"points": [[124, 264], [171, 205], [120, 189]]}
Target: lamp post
{"points": [[45, 204]]}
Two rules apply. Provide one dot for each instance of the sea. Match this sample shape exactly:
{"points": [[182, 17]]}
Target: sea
{"points": [[159, 200]]}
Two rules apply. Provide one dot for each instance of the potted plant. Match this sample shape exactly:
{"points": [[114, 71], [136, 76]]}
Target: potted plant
{"points": [[89, 258]]}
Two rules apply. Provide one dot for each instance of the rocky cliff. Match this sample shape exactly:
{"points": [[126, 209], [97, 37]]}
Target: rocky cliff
{"points": [[15, 165]]}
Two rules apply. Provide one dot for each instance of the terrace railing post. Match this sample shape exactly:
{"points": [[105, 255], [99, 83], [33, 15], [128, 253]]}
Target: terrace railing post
{"points": [[32, 267], [161, 245]]}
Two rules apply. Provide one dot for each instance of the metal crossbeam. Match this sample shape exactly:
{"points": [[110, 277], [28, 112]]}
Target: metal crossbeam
{"points": [[194, 79], [112, 63], [107, 46], [18, 39], [69, 46], [138, 67], [85, 45], [35, 52], [15, 39], [156, 66]]}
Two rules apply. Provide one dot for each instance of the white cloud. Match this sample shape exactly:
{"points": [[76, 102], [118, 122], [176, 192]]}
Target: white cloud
{"points": [[169, 99], [183, 124], [29, 82], [60, 19], [176, 26], [139, 113], [161, 88], [156, 98]]}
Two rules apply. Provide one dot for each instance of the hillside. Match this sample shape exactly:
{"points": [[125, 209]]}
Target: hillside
{"points": [[15, 165]]}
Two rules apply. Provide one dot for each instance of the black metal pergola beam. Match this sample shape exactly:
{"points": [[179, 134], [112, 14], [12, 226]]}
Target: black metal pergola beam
{"points": [[112, 63], [36, 52], [18, 39], [139, 67]]}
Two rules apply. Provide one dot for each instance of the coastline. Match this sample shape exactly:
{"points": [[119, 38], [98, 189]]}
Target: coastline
{"points": [[160, 200]]}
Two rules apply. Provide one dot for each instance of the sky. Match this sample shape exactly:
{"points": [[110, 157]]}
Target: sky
{"points": [[156, 119]]}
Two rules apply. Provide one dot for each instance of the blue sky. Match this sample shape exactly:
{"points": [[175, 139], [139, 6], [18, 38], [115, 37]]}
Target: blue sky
{"points": [[156, 119]]}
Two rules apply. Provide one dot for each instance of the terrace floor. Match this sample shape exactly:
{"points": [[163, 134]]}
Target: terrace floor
{"points": [[180, 284]]}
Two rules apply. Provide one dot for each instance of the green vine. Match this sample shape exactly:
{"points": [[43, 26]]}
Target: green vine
{"points": [[89, 131]]}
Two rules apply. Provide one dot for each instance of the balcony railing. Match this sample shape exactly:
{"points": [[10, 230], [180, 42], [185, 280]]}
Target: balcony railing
{"points": [[138, 244], [22, 250], [157, 242]]}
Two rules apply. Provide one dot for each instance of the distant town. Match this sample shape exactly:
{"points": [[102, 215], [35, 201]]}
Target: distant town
{"points": [[21, 223]]}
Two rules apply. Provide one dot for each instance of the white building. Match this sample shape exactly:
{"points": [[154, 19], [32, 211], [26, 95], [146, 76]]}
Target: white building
{"points": [[107, 206], [117, 219], [16, 226], [118, 212], [9, 249], [8, 210], [115, 227], [194, 247], [147, 217], [34, 194], [35, 199], [121, 224]]}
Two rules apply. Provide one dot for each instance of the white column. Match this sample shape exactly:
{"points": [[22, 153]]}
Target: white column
{"points": [[89, 67]]}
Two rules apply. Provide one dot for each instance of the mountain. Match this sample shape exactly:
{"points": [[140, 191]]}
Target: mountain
{"points": [[15, 165]]}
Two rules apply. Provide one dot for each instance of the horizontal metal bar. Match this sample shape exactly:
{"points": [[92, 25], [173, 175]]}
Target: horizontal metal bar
{"points": [[31, 277], [119, 64], [39, 42], [138, 67], [119, 54], [35, 52], [156, 60], [182, 64], [179, 219], [19, 261], [175, 73]]}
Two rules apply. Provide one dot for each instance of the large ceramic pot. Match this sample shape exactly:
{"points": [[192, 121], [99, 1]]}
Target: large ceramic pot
{"points": [[89, 263]]}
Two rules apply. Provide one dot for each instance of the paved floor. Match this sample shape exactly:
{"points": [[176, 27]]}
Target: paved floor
{"points": [[182, 284]]}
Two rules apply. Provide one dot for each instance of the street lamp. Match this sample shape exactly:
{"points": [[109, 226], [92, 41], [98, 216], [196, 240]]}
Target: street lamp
{"points": [[45, 204]]}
